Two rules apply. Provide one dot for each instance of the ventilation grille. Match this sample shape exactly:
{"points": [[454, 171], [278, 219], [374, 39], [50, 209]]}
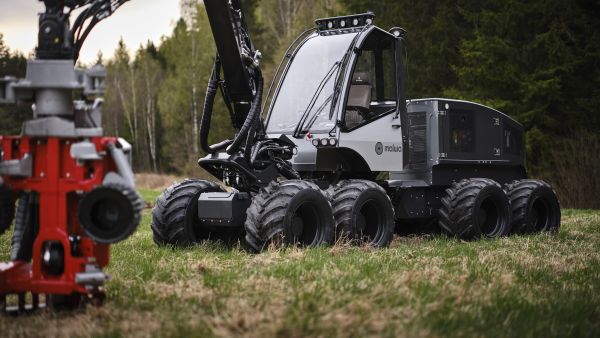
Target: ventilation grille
{"points": [[417, 119], [417, 135]]}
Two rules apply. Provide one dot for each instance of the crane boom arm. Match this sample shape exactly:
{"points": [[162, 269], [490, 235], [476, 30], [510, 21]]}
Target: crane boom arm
{"points": [[242, 84], [237, 56]]}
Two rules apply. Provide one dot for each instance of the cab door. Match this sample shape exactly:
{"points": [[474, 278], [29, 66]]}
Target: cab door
{"points": [[370, 123]]}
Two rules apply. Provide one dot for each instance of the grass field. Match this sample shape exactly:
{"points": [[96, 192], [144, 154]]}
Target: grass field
{"points": [[537, 286]]}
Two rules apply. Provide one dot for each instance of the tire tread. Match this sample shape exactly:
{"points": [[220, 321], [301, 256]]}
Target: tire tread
{"points": [[343, 196], [268, 209], [168, 214]]}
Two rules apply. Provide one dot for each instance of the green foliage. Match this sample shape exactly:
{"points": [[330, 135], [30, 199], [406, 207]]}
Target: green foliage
{"points": [[536, 61], [434, 31], [12, 64]]}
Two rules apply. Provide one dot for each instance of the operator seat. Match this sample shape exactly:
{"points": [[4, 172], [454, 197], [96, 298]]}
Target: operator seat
{"points": [[359, 99]]}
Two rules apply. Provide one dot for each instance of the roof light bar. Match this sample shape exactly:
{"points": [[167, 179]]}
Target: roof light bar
{"points": [[345, 22]]}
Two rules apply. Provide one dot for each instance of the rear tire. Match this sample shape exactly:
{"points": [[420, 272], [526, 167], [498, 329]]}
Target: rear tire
{"points": [[175, 215], [7, 208], [363, 213], [292, 212], [534, 207], [473, 208]]}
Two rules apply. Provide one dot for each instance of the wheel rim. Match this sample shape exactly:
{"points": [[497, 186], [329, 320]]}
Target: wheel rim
{"points": [[370, 222], [489, 218], [306, 225], [191, 213], [539, 217]]}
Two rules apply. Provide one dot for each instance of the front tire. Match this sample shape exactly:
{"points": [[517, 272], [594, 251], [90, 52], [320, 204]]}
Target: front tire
{"points": [[175, 215], [363, 213], [292, 212], [473, 208], [534, 207]]}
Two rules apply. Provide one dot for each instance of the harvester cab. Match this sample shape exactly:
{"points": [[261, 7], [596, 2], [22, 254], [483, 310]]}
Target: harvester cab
{"points": [[358, 72]]}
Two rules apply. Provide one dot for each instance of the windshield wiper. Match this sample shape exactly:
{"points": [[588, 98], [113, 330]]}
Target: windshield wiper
{"points": [[300, 126], [316, 114], [338, 83]]}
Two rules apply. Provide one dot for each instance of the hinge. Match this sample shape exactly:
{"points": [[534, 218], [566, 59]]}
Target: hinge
{"points": [[442, 112], [496, 121]]}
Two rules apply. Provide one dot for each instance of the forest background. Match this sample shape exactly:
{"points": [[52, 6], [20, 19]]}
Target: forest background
{"points": [[536, 60]]}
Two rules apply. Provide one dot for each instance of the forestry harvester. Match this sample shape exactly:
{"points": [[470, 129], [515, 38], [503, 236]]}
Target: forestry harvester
{"points": [[341, 152]]}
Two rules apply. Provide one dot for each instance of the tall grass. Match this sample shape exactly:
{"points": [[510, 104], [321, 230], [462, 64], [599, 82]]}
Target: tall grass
{"points": [[574, 171], [428, 286]]}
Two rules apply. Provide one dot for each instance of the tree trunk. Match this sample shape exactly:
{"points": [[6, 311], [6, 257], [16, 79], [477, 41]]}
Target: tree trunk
{"points": [[134, 109], [150, 120], [195, 131], [126, 111]]}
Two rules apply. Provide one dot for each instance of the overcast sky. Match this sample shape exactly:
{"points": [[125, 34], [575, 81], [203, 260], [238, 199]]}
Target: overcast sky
{"points": [[137, 21]]}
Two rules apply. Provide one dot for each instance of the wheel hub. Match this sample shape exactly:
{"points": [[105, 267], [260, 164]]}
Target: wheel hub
{"points": [[297, 226], [361, 223], [534, 218], [482, 218]]}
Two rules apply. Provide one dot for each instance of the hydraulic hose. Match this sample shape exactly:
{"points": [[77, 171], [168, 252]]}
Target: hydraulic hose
{"points": [[249, 140], [211, 92], [253, 114], [250, 121]]}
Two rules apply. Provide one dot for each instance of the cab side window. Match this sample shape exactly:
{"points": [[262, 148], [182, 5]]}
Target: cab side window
{"points": [[373, 85]]}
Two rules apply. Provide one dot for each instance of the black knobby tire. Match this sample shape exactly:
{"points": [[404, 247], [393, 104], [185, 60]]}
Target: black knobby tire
{"points": [[292, 212], [26, 229], [534, 206], [363, 213], [175, 215], [7, 208], [473, 208]]}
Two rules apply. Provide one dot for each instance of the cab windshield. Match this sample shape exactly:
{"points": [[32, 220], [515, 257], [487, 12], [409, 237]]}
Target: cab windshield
{"points": [[308, 86]]}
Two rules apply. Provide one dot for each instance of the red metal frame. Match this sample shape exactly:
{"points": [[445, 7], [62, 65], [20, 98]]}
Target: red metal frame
{"points": [[60, 182]]}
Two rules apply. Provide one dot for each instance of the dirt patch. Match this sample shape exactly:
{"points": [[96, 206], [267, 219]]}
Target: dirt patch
{"points": [[155, 181]]}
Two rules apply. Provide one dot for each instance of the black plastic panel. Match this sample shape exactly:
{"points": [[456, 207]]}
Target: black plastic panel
{"points": [[417, 135]]}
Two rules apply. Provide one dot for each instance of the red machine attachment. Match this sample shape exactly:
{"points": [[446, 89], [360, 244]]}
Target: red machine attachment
{"points": [[73, 188], [74, 196]]}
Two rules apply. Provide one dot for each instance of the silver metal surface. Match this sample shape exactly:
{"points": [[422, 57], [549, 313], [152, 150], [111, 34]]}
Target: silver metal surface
{"points": [[57, 127], [122, 165], [17, 168], [7, 93], [93, 278], [84, 151]]}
